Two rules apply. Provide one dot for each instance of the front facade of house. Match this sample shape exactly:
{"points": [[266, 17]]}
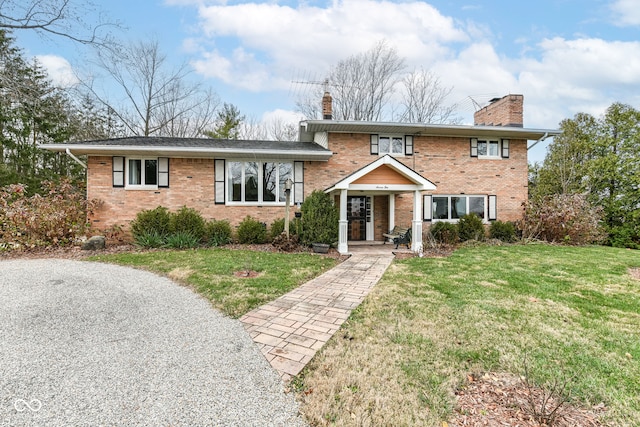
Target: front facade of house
{"points": [[380, 174]]}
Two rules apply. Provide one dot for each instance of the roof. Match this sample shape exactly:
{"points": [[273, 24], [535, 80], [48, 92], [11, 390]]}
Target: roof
{"points": [[349, 182], [309, 127], [196, 147]]}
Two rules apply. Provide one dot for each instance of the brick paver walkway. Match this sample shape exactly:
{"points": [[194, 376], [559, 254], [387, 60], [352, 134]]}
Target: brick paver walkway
{"points": [[291, 329]]}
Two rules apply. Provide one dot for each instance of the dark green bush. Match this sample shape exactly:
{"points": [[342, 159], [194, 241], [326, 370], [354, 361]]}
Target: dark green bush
{"points": [[444, 232], [624, 236], [217, 233], [504, 231], [151, 221], [470, 227], [320, 219], [251, 230], [187, 220], [277, 228]]}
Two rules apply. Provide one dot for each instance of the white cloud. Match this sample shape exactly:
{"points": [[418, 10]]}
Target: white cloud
{"points": [[263, 46], [58, 69], [283, 39], [626, 12]]}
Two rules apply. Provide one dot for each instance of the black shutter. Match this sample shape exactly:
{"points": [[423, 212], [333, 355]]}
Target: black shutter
{"points": [[117, 171], [408, 145], [163, 172], [219, 173], [474, 147], [505, 148], [493, 208], [374, 144], [298, 182]]}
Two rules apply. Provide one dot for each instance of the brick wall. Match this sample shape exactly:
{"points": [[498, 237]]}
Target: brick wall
{"points": [[444, 161], [191, 184], [506, 111]]}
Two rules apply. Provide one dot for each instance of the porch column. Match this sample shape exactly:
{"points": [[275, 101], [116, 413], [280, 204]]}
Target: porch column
{"points": [[392, 211], [343, 224], [416, 227]]}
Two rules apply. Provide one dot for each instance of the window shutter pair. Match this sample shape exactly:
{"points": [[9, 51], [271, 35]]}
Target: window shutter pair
{"points": [[375, 145], [118, 170], [427, 210], [504, 149]]}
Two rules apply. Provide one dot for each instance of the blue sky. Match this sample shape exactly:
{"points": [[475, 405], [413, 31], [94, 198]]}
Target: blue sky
{"points": [[564, 56]]}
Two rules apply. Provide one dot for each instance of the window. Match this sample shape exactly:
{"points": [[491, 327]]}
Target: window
{"points": [[257, 182], [395, 145], [140, 173], [452, 208], [391, 145], [490, 148]]}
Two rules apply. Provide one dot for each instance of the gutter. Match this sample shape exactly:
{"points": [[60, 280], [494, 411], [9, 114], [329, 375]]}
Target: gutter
{"points": [[545, 136], [80, 162]]}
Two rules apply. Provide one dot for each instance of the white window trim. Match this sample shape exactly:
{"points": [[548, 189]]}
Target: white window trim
{"points": [[391, 137], [498, 156], [259, 202], [433, 218], [128, 186]]}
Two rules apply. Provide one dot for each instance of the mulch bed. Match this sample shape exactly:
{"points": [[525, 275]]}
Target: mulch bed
{"points": [[501, 399]]}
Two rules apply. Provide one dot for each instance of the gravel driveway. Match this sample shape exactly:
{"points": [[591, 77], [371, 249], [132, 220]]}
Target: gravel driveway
{"points": [[89, 344]]}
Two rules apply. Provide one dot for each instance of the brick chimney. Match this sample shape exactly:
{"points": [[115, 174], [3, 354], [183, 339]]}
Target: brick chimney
{"points": [[327, 106], [505, 111]]}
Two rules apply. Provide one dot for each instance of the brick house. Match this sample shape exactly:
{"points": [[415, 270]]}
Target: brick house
{"points": [[380, 174]]}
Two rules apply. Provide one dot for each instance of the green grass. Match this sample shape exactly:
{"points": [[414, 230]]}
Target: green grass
{"points": [[211, 273], [564, 312]]}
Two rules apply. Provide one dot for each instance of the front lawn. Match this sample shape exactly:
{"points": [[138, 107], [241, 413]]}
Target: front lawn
{"points": [[431, 324], [235, 281]]}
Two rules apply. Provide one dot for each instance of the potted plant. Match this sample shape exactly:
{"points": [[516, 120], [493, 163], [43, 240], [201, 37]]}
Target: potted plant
{"points": [[320, 219]]}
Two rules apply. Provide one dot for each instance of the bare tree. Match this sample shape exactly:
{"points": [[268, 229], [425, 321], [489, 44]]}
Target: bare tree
{"points": [[275, 129], [363, 88], [156, 100], [424, 99], [65, 18], [363, 84]]}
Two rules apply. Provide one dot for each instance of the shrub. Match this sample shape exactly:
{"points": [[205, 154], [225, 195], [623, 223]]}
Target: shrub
{"points": [[58, 217], [151, 221], [563, 218], [251, 230], [217, 233], [624, 236], [444, 232], [277, 228], [470, 227], [149, 239], [504, 231], [182, 240], [319, 219], [187, 220]]}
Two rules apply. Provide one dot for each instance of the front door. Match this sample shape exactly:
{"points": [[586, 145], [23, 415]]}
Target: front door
{"points": [[358, 215]]}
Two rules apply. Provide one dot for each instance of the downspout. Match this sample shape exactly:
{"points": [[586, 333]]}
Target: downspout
{"points": [[80, 162], [545, 136]]}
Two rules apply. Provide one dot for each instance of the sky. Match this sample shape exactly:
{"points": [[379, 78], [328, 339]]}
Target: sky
{"points": [[564, 56]]}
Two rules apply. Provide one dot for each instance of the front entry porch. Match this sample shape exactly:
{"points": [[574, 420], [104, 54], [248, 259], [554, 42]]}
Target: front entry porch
{"points": [[355, 194]]}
